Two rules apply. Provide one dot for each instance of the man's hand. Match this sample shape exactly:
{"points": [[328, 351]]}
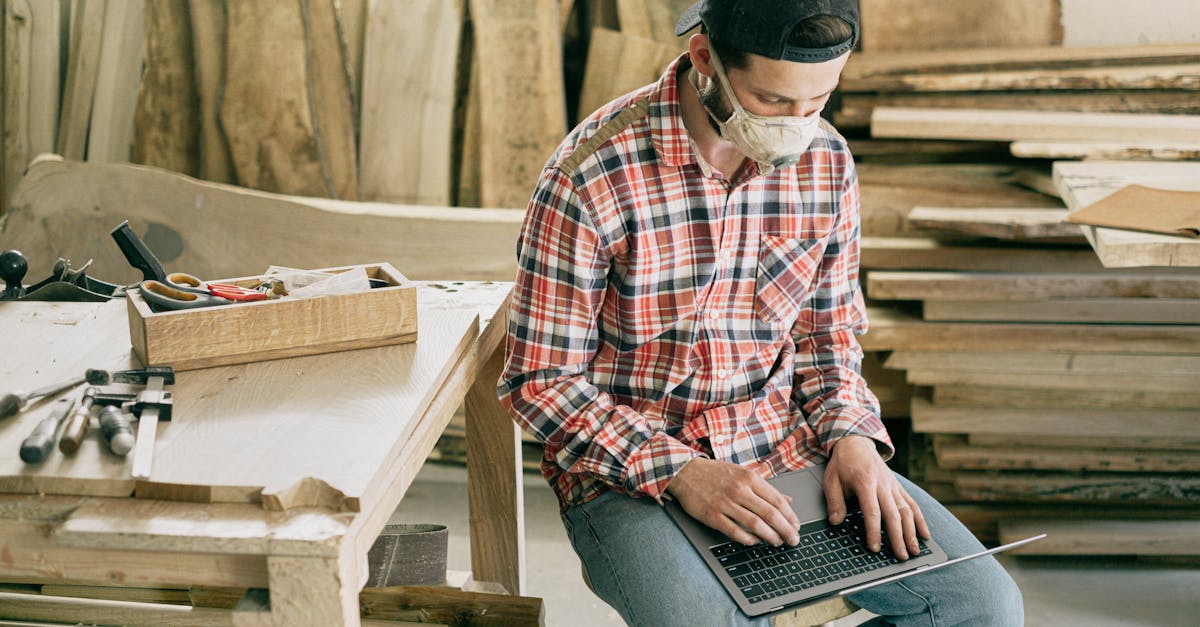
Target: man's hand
{"points": [[856, 468], [735, 501]]}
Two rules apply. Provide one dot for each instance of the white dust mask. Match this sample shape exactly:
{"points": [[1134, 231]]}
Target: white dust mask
{"points": [[778, 141]]}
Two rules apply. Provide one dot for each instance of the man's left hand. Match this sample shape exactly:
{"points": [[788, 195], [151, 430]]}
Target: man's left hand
{"points": [[856, 468]]}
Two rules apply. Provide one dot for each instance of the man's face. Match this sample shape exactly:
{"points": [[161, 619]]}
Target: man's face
{"points": [[773, 88]]}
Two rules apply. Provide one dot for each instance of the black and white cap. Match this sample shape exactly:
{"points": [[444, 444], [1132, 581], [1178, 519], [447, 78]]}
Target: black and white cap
{"points": [[762, 26]]}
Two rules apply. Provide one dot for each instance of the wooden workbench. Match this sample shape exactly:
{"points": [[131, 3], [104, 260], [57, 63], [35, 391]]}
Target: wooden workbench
{"points": [[83, 521]]}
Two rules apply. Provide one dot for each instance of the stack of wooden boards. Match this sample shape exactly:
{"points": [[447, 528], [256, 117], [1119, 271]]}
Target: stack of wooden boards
{"points": [[438, 103]]}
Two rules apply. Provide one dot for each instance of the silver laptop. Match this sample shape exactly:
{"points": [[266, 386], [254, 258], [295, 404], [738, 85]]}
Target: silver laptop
{"points": [[828, 561]]}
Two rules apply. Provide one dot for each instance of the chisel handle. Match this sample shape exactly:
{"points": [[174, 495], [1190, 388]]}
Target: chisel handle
{"points": [[10, 404], [77, 424], [37, 446]]}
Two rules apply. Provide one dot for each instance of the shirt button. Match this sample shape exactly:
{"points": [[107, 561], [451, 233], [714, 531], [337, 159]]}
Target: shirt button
{"points": [[722, 374], [714, 314], [719, 439]]}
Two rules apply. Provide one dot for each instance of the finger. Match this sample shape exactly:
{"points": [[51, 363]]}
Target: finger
{"points": [[730, 527], [783, 504], [868, 502], [770, 513], [835, 499], [918, 518], [909, 513], [755, 524], [893, 520]]}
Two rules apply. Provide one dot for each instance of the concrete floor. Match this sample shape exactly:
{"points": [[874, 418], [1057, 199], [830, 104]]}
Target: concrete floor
{"points": [[1059, 592]]}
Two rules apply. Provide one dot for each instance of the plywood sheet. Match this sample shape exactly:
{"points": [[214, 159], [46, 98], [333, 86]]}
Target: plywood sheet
{"points": [[1085, 183], [408, 108]]}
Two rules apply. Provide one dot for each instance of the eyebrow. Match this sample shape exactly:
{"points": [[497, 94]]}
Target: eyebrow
{"points": [[771, 94]]}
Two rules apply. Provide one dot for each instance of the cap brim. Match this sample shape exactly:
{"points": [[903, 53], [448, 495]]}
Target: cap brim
{"points": [[689, 20]]}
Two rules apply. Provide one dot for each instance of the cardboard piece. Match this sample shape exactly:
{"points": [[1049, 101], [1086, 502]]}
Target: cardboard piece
{"points": [[1139, 208]]}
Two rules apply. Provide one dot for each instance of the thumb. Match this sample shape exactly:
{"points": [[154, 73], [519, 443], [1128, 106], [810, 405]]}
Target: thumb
{"points": [[835, 500]]}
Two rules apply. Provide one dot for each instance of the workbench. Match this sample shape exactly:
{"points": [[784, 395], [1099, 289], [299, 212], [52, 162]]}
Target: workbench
{"points": [[84, 521]]}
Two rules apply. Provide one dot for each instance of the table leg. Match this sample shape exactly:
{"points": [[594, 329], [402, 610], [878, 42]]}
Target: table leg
{"points": [[312, 591], [494, 484]]}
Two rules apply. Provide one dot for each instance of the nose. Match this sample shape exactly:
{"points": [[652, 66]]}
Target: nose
{"points": [[806, 108]]}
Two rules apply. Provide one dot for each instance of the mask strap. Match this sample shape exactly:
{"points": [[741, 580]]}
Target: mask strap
{"points": [[724, 80]]}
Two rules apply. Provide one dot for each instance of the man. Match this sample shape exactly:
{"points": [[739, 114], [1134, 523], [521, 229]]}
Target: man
{"points": [[684, 324]]}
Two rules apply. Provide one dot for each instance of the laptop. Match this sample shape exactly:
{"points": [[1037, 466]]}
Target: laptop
{"points": [[830, 560]]}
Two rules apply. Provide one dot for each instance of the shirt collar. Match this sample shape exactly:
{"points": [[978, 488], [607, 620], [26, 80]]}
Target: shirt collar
{"points": [[667, 131]]}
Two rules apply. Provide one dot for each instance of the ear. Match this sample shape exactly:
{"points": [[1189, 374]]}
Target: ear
{"points": [[700, 55]]}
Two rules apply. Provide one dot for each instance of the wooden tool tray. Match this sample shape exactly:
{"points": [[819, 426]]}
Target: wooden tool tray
{"points": [[275, 329]]}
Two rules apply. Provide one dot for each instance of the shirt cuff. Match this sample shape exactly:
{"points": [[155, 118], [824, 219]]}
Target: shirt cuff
{"points": [[838, 423], [655, 463]]}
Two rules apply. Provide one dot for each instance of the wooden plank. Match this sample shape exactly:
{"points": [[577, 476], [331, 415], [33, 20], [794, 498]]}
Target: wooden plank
{"points": [[493, 447], [423, 242], [1136, 151], [1051, 363], [1035, 397], [117, 79], [45, 77], [930, 418], [857, 107], [996, 125], [266, 110], [1158, 444], [868, 64], [87, 27], [652, 19], [353, 16], [408, 108], [1028, 286], [907, 25], [1147, 381], [165, 132], [1119, 310], [1083, 184], [923, 253], [619, 63], [330, 86], [208, 44], [894, 330], [1013, 224], [1145, 488], [1184, 77], [1104, 537], [114, 593], [953, 452], [447, 605], [45, 607], [522, 107], [17, 151]]}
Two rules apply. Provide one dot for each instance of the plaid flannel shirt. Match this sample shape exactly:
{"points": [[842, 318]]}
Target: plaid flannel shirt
{"points": [[662, 313]]}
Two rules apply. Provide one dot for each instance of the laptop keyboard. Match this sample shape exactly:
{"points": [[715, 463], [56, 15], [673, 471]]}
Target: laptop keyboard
{"points": [[826, 553]]}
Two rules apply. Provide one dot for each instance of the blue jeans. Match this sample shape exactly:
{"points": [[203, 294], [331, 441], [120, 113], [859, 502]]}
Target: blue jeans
{"points": [[641, 564]]}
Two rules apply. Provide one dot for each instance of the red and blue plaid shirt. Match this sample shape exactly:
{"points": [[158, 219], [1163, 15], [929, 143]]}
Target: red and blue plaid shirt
{"points": [[663, 313]]}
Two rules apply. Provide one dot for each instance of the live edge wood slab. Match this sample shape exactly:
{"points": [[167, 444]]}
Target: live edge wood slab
{"points": [[313, 453]]}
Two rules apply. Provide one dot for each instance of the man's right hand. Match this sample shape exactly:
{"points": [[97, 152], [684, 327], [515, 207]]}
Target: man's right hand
{"points": [[735, 501]]}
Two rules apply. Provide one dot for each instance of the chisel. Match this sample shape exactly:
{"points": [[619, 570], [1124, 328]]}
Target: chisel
{"points": [[12, 403], [77, 425], [36, 448]]}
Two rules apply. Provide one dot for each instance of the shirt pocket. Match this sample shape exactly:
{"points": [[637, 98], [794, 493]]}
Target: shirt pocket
{"points": [[786, 270]]}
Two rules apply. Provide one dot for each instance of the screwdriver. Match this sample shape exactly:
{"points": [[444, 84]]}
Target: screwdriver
{"points": [[77, 425], [114, 424], [36, 447], [12, 403]]}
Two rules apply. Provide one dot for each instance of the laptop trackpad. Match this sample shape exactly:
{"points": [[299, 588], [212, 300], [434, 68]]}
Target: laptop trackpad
{"points": [[808, 495]]}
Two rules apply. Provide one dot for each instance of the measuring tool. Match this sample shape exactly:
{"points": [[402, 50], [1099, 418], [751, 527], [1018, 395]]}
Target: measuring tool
{"points": [[37, 446]]}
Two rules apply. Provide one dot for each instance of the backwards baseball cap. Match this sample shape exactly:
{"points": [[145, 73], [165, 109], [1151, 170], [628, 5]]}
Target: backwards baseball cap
{"points": [[762, 26]]}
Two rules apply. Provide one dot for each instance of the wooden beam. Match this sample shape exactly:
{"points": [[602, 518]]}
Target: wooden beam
{"points": [[1133, 151], [924, 253], [1147, 381], [976, 124], [1165, 444], [930, 418], [1141, 487], [1050, 363], [955, 453], [1011, 224], [1107, 310], [950, 395], [895, 330], [1183, 77], [1028, 286], [1104, 537]]}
